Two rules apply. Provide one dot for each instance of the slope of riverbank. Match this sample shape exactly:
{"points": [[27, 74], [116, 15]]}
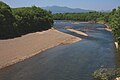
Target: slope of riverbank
{"points": [[18, 49]]}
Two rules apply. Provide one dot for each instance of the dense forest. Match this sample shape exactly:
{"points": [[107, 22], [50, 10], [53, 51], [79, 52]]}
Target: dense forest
{"points": [[19, 21], [110, 18], [88, 16]]}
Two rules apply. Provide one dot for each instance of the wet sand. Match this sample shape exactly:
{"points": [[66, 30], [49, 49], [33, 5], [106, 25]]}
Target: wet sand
{"points": [[18, 49]]}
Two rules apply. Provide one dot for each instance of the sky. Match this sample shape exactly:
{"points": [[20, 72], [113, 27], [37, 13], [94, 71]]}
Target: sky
{"points": [[83, 4]]}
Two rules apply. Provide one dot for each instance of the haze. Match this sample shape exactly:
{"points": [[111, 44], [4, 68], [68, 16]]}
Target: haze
{"points": [[84, 4]]}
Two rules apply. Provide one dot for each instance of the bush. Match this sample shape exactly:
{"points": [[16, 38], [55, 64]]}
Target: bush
{"points": [[106, 74], [19, 21], [31, 19], [115, 23], [6, 21]]}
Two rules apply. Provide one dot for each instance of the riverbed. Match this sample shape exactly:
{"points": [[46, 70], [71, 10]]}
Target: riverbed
{"points": [[75, 61]]}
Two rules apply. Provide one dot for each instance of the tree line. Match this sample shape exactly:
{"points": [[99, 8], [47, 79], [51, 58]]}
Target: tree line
{"points": [[111, 18], [18, 21], [88, 16], [114, 22]]}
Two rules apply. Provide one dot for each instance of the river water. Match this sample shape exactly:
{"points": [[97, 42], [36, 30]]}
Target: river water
{"points": [[68, 62]]}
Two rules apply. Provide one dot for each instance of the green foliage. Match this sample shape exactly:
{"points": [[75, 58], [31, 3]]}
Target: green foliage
{"points": [[106, 74], [115, 23], [6, 20], [18, 21], [89, 16], [32, 19]]}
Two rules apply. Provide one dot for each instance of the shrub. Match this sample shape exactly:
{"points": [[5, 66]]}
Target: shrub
{"points": [[106, 74], [19, 21], [6, 21]]}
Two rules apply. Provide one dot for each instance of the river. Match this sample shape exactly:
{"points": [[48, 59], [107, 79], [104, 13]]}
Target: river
{"points": [[71, 61]]}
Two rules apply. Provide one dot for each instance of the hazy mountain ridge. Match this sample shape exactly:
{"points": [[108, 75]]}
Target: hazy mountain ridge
{"points": [[58, 9]]}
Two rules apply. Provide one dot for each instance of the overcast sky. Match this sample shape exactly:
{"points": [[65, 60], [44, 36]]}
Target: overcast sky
{"points": [[84, 4]]}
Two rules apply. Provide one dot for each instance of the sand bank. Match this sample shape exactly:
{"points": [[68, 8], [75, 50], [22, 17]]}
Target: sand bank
{"points": [[78, 32], [18, 49]]}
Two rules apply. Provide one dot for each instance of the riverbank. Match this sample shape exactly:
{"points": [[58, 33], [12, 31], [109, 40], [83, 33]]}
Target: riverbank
{"points": [[108, 29], [18, 49], [106, 71]]}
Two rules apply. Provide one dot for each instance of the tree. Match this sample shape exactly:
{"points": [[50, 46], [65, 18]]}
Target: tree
{"points": [[6, 20], [18, 21], [115, 23], [32, 19]]}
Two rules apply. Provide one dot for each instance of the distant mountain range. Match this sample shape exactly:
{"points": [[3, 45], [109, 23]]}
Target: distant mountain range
{"points": [[58, 9]]}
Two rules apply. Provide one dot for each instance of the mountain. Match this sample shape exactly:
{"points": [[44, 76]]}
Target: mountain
{"points": [[58, 9]]}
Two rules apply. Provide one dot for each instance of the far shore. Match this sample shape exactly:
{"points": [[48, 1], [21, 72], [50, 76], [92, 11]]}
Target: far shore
{"points": [[18, 49]]}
